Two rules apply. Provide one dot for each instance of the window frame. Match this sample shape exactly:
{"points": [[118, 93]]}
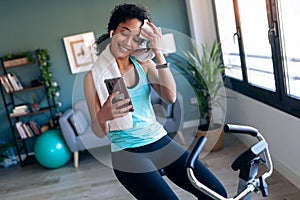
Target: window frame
{"points": [[279, 98]]}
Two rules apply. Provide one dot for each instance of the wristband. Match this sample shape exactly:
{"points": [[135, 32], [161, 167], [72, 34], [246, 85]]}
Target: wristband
{"points": [[166, 65]]}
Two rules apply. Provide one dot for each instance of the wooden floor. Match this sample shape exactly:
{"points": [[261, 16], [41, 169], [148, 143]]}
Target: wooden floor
{"points": [[94, 180]]}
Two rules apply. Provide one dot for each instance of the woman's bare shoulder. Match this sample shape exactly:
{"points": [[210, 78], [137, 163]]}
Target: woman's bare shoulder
{"points": [[88, 78], [88, 81], [147, 65]]}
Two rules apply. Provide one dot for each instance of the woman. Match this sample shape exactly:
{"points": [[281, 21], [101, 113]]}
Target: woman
{"points": [[138, 152]]}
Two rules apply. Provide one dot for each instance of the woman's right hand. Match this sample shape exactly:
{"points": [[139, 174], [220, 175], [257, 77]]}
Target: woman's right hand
{"points": [[110, 110]]}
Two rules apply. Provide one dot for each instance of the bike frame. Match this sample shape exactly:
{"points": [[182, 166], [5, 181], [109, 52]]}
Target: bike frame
{"points": [[245, 187]]}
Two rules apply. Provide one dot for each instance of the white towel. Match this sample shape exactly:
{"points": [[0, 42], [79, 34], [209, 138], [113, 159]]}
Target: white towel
{"points": [[106, 67], [144, 52]]}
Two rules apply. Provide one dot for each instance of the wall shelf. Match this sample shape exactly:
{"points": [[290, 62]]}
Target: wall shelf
{"points": [[10, 94]]}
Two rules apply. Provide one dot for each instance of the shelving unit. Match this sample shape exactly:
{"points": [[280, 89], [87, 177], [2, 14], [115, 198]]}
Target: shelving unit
{"points": [[11, 99]]}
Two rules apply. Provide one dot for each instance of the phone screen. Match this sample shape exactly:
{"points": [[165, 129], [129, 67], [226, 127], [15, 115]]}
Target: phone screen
{"points": [[118, 84]]}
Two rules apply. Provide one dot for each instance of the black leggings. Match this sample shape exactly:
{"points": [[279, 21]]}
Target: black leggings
{"points": [[137, 170]]}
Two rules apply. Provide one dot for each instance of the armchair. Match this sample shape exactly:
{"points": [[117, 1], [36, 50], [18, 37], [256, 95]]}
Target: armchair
{"points": [[76, 129]]}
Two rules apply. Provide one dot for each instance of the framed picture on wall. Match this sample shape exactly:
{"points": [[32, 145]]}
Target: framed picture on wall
{"points": [[79, 49]]}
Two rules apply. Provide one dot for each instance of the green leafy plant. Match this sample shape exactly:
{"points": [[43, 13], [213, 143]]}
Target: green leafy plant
{"points": [[35, 104], [34, 99], [204, 72], [24, 54], [52, 86]]}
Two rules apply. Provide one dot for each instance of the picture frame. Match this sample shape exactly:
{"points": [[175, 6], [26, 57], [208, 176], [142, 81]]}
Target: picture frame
{"points": [[80, 53]]}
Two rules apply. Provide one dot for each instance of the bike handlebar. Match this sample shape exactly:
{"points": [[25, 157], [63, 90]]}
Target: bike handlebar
{"points": [[241, 129], [196, 152], [251, 186]]}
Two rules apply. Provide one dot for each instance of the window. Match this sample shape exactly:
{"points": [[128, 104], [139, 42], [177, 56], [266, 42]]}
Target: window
{"points": [[260, 49], [228, 37], [289, 18]]}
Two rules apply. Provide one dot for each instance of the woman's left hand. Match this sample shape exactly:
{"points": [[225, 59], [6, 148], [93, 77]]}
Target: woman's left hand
{"points": [[154, 36]]}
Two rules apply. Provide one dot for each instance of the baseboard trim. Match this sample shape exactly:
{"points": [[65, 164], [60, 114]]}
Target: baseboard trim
{"points": [[190, 124], [287, 173]]}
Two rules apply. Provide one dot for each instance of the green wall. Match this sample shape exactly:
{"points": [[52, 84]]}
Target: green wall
{"points": [[32, 24]]}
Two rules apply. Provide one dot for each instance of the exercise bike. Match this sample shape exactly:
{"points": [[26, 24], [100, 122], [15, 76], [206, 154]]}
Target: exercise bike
{"points": [[247, 162]]}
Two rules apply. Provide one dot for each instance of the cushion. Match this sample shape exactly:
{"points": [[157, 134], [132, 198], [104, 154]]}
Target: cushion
{"points": [[160, 113], [169, 109], [82, 106], [79, 122]]}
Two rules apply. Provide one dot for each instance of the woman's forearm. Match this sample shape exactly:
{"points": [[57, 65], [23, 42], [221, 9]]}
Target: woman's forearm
{"points": [[99, 127], [166, 81]]}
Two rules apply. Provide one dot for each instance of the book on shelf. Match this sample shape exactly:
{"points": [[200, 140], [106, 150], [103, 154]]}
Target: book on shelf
{"points": [[15, 82], [19, 110], [19, 85], [18, 114], [34, 127], [12, 81], [20, 130], [6, 84], [28, 131]]}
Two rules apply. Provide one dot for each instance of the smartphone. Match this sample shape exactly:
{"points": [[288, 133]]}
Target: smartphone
{"points": [[118, 84]]}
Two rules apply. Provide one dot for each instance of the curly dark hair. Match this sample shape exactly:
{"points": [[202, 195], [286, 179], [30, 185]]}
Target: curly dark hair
{"points": [[120, 14]]}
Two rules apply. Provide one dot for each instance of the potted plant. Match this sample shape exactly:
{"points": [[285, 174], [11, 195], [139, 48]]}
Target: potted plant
{"points": [[35, 104], [204, 71], [22, 58]]}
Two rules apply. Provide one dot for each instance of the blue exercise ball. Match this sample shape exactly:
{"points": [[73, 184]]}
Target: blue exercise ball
{"points": [[51, 150]]}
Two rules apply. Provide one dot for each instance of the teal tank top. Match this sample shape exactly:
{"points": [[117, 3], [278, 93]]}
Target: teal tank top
{"points": [[145, 128]]}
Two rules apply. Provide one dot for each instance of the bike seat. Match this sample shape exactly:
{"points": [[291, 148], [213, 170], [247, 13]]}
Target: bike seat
{"points": [[248, 155]]}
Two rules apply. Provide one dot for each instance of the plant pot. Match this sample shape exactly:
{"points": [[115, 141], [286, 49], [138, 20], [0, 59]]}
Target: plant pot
{"points": [[35, 106], [15, 62], [215, 137]]}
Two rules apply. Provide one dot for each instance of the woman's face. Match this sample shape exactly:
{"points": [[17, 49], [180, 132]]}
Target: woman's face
{"points": [[126, 38]]}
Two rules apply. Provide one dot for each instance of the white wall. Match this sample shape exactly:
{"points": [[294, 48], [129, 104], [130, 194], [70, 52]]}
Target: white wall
{"points": [[280, 129], [201, 18]]}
